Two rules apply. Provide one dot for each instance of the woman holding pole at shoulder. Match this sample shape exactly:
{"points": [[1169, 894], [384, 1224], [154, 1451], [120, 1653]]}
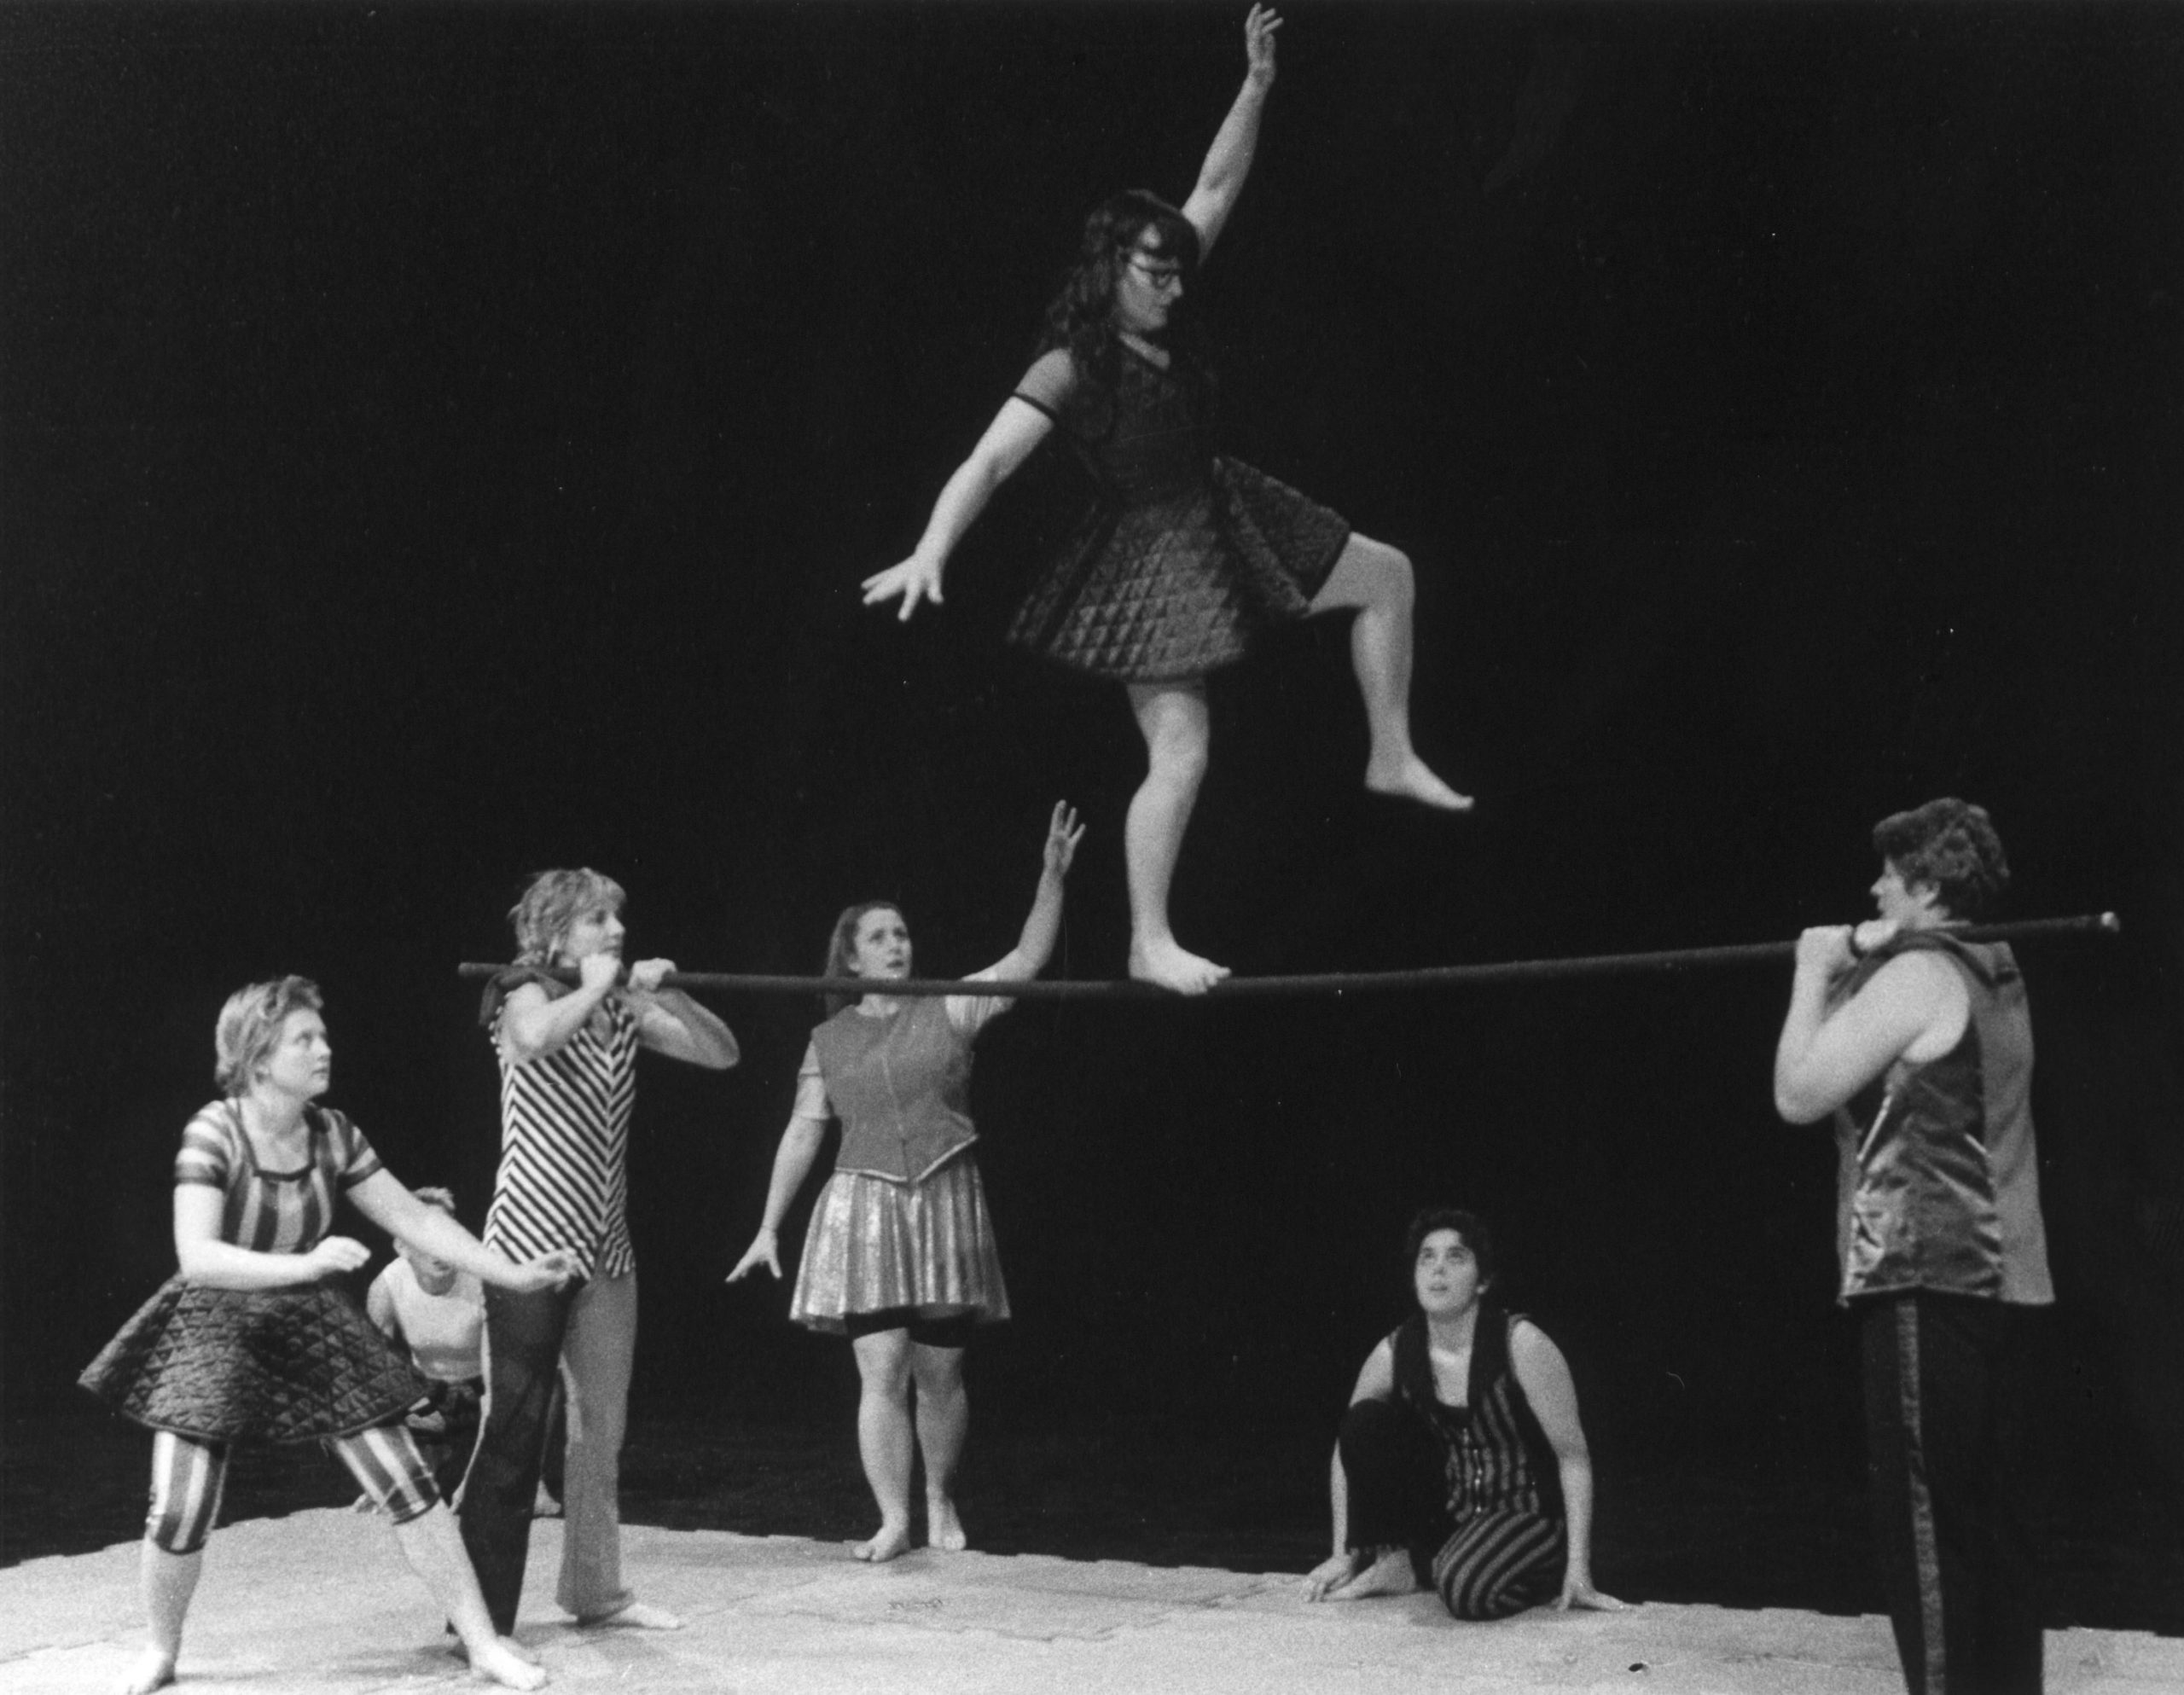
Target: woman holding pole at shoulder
{"points": [[1185, 554], [901, 1256]]}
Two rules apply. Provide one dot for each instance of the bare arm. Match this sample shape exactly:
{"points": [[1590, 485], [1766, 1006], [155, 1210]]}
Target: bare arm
{"points": [[1544, 1376], [1914, 1007], [1376, 1381], [1228, 160], [379, 1307], [204, 1259], [792, 1165], [670, 1022], [1016, 430], [382, 1199], [1035, 946], [532, 1024]]}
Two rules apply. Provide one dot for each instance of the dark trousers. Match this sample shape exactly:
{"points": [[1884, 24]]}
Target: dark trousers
{"points": [[1945, 1413], [590, 1329], [1489, 1566]]}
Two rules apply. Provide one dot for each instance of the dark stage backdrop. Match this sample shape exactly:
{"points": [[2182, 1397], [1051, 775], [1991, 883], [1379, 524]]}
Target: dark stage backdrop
{"points": [[441, 443]]}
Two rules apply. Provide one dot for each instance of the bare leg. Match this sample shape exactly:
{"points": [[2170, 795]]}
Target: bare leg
{"points": [[1390, 1573], [884, 1437], [169, 1581], [1377, 580], [1172, 718], [944, 1420], [434, 1550]]}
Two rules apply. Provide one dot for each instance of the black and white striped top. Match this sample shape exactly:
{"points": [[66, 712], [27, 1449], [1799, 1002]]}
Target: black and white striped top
{"points": [[565, 1139], [274, 1212]]}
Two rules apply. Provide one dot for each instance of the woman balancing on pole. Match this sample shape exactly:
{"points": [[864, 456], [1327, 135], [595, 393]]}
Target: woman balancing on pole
{"points": [[254, 1339], [901, 1254], [1462, 1466], [1186, 554]]}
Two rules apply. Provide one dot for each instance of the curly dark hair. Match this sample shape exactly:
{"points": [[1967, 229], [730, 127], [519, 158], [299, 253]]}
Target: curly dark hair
{"points": [[1478, 1234], [1952, 845], [1081, 317]]}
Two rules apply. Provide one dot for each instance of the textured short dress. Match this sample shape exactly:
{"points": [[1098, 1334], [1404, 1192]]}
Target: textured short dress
{"points": [[903, 1221], [296, 1364], [1185, 555]]}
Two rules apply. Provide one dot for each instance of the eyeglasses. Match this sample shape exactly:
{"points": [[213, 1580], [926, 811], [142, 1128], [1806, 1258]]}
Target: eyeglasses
{"points": [[1162, 277]]}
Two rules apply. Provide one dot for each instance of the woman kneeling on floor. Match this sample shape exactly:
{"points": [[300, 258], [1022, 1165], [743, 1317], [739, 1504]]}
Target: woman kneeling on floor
{"points": [[1462, 1466]]}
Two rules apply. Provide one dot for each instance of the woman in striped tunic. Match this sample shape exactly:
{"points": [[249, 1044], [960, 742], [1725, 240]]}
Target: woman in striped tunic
{"points": [[568, 1059], [900, 1257], [254, 1338], [1461, 1464]]}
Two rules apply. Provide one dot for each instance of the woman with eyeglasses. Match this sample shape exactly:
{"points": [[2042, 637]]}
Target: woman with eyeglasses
{"points": [[1185, 554]]}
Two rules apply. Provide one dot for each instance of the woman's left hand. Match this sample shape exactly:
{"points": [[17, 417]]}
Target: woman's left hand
{"points": [[1258, 43], [1063, 834], [1578, 1592]]}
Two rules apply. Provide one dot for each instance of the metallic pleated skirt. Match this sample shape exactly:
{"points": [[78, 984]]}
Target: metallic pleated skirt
{"points": [[875, 1246]]}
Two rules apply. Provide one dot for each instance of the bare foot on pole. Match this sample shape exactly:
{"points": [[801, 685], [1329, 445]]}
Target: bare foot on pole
{"points": [[943, 1529], [1165, 965], [1392, 1574], [890, 1541], [155, 1669], [1411, 779], [500, 1661]]}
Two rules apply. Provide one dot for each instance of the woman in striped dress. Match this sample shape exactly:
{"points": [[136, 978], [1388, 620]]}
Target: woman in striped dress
{"points": [[255, 1339], [900, 1257], [1462, 1466]]}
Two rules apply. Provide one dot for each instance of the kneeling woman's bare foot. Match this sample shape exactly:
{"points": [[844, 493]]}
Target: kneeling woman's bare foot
{"points": [[636, 1616], [155, 1669], [1392, 1574], [943, 1529], [888, 1542], [500, 1661], [1166, 965], [1411, 778]]}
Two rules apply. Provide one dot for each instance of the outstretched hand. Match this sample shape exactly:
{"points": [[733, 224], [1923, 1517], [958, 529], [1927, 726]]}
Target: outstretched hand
{"points": [[916, 578], [1064, 831], [1258, 43], [764, 1249]]}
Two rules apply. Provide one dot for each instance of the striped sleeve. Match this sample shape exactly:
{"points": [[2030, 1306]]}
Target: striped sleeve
{"points": [[353, 1160], [206, 1153]]}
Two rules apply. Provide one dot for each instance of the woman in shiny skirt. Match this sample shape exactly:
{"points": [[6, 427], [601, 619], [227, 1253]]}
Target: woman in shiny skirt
{"points": [[900, 1257]]}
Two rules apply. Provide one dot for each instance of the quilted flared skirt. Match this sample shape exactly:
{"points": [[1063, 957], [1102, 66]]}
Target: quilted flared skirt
{"points": [[875, 1246], [1168, 589], [261, 1364]]}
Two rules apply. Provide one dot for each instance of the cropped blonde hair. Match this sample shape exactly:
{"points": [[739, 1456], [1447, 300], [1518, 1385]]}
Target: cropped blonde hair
{"points": [[551, 906], [250, 1027]]}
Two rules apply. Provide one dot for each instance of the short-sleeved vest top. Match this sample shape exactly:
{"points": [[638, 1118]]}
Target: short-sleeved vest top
{"points": [[1939, 1177], [901, 1086]]}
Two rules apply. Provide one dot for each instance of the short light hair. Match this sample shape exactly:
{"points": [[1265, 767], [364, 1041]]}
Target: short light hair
{"points": [[1952, 845], [250, 1027], [551, 906]]}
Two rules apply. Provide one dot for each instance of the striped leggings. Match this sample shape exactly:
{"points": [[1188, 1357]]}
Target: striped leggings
{"points": [[188, 1475], [1489, 1566]]}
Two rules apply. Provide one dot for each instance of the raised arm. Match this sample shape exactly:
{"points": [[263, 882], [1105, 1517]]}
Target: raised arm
{"points": [[382, 1199], [1036, 945], [533, 1023], [1228, 160], [670, 1022], [1544, 1376], [1016, 430], [1914, 1007]]}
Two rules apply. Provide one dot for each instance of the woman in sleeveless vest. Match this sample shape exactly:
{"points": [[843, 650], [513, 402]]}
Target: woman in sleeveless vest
{"points": [[1462, 1466], [901, 1257], [1185, 554], [255, 1339]]}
